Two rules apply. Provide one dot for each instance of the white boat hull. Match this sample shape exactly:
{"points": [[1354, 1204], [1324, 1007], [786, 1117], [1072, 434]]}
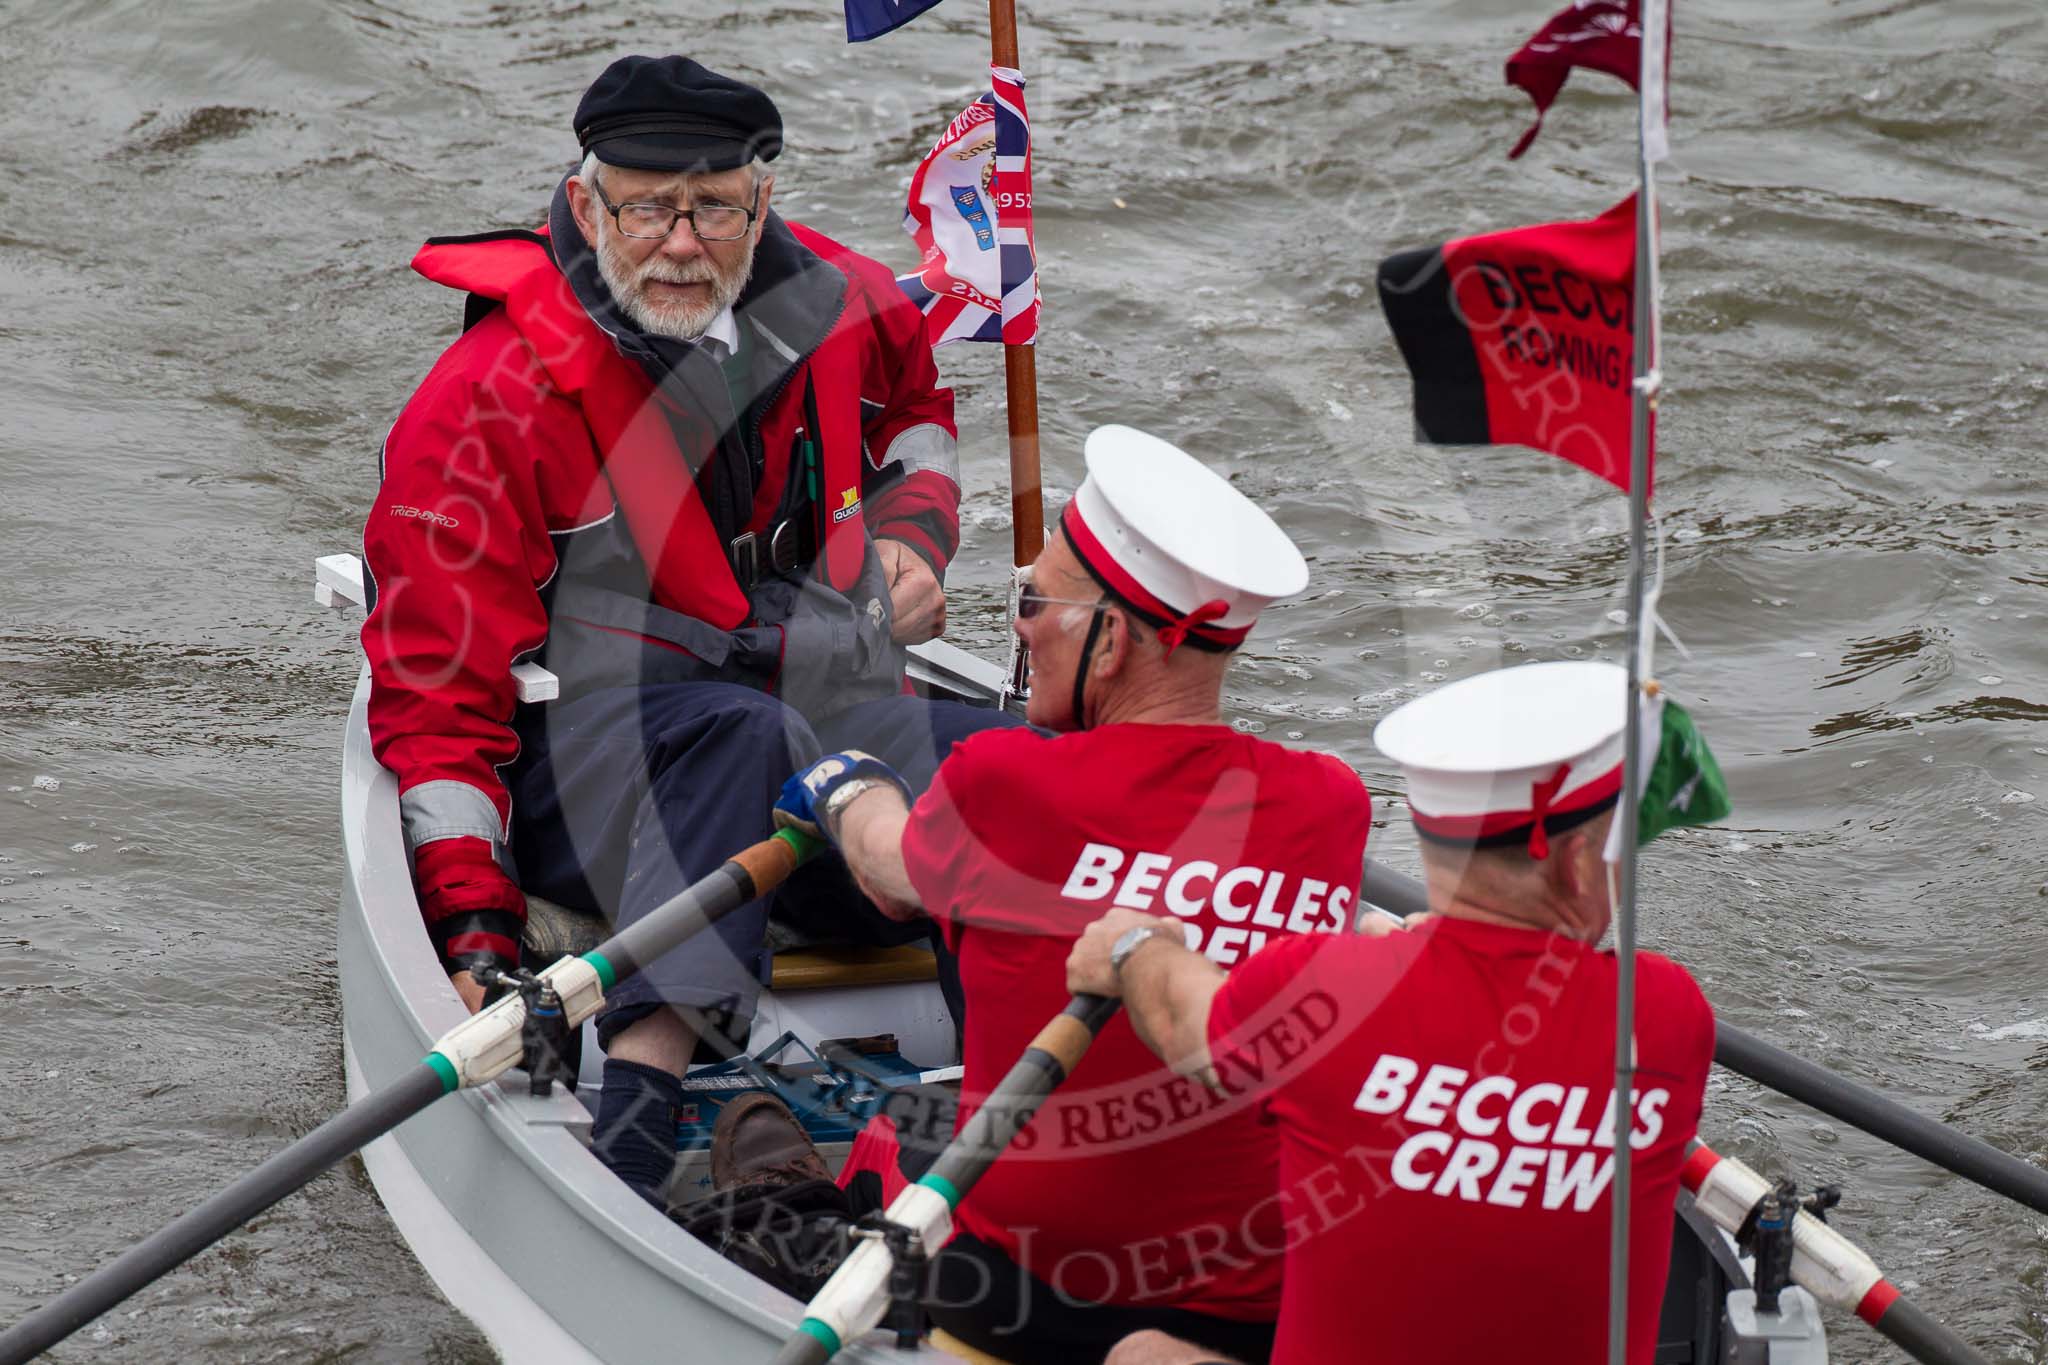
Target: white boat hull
{"points": [[494, 1190]]}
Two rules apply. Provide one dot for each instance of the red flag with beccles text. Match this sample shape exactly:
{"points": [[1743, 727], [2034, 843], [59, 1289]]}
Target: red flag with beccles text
{"points": [[1524, 337]]}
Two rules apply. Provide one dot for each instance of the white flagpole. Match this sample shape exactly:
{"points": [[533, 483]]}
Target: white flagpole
{"points": [[1651, 148]]}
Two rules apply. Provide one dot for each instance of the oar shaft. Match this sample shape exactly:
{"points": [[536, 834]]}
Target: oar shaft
{"points": [[1924, 1339], [472, 1053], [1048, 1062], [173, 1245], [748, 874], [1380, 885], [1957, 1152], [1856, 1105]]}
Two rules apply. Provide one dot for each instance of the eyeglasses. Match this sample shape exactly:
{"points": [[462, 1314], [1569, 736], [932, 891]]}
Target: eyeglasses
{"points": [[708, 222], [1025, 604]]}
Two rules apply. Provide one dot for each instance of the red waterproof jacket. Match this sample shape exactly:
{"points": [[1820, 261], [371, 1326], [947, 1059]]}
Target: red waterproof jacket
{"points": [[537, 501]]}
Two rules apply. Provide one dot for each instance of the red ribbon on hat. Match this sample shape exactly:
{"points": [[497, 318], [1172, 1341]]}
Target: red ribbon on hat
{"points": [[1541, 794], [1173, 632], [1120, 584]]}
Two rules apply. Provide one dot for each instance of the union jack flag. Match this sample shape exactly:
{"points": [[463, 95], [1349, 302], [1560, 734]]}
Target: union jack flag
{"points": [[970, 215]]}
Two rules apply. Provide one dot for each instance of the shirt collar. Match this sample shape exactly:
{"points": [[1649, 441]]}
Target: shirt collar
{"points": [[724, 330]]}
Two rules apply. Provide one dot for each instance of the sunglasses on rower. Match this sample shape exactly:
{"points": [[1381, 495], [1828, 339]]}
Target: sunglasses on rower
{"points": [[1026, 604]]}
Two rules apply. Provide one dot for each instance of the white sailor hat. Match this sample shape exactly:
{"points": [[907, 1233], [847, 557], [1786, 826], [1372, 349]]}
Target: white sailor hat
{"points": [[1172, 541], [1512, 756]]}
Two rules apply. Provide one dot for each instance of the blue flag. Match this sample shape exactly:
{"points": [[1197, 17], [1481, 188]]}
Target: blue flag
{"points": [[867, 19]]}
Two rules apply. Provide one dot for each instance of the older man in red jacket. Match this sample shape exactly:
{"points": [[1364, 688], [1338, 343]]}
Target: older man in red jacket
{"points": [[694, 460]]}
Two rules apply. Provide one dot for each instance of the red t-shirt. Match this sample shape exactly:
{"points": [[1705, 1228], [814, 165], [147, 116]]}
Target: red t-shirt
{"points": [[1132, 1185], [1446, 1138]]}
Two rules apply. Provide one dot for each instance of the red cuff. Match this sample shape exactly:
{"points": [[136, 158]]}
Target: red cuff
{"points": [[459, 877], [914, 535], [923, 511]]}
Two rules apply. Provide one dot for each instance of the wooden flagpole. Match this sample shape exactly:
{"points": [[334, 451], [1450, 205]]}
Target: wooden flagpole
{"points": [[1650, 104], [1020, 363]]}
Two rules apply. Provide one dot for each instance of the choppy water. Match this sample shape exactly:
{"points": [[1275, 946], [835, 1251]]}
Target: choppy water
{"points": [[206, 324]]}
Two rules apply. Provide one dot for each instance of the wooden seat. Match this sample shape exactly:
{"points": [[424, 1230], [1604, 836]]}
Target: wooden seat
{"points": [[825, 967]]}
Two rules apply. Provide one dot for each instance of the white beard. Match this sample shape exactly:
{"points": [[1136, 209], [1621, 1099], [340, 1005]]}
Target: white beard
{"points": [[679, 319]]}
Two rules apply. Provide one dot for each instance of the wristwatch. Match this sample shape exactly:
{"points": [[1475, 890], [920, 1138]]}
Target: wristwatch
{"points": [[842, 796], [1126, 944]]}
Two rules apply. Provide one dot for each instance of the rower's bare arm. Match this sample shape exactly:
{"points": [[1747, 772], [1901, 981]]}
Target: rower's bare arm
{"points": [[871, 839], [1166, 989]]}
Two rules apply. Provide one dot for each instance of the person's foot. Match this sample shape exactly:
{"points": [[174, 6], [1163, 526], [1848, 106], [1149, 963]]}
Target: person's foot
{"points": [[757, 1141]]}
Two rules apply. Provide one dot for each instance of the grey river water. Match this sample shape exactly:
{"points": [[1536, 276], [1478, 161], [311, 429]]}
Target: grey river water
{"points": [[206, 324]]}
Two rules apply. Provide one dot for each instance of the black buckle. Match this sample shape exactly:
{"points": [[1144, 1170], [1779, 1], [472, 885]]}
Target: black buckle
{"points": [[783, 552], [745, 553]]}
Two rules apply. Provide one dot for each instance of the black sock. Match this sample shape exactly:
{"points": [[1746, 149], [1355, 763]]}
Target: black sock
{"points": [[635, 1132]]}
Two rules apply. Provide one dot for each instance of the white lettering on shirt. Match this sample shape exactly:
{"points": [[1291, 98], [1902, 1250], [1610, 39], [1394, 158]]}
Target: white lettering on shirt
{"points": [[1491, 1139], [1511, 1187], [1438, 1088], [1468, 1104], [1407, 1174], [1201, 892], [1386, 1089], [1308, 905], [1143, 878], [1264, 915], [1650, 1112], [1094, 873], [1224, 945], [1581, 1181], [1177, 898]]}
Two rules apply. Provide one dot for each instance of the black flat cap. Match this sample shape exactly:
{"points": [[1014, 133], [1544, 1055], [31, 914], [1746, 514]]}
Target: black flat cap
{"points": [[674, 114]]}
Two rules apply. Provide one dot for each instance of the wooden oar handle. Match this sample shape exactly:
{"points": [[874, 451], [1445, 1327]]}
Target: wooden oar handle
{"points": [[769, 863], [1066, 1036]]}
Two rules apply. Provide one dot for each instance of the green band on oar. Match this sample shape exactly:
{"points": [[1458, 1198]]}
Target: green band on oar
{"points": [[856, 1296], [943, 1186], [473, 1053], [451, 1079], [823, 1335]]}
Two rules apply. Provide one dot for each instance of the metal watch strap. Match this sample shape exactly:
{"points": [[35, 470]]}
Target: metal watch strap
{"points": [[843, 795], [1131, 940]]}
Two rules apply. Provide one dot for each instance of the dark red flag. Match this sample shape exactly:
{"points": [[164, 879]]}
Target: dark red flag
{"points": [[1523, 337], [1605, 35]]}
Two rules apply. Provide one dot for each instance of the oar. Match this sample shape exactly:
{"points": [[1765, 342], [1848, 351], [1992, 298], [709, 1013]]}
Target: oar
{"points": [[470, 1054], [1824, 1262], [1836, 1096], [856, 1297], [1975, 1161]]}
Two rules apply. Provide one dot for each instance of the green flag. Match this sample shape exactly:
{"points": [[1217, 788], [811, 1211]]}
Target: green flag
{"points": [[1685, 786]]}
